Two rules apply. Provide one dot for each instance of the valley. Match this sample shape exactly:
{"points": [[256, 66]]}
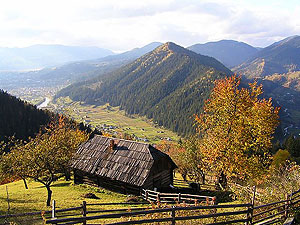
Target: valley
{"points": [[106, 118], [113, 121]]}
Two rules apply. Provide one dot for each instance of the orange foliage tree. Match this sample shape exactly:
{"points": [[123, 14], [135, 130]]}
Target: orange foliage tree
{"points": [[187, 157], [236, 129], [47, 155]]}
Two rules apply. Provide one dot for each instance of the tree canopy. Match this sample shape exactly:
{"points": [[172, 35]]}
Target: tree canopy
{"points": [[236, 129], [44, 157]]}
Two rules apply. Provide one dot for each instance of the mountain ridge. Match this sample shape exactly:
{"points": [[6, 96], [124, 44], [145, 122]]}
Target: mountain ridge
{"points": [[230, 52], [72, 72], [168, 79], [280, 57]]}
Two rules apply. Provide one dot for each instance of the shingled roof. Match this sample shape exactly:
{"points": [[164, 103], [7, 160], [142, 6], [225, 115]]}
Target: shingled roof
{"points": [[128, 161]]}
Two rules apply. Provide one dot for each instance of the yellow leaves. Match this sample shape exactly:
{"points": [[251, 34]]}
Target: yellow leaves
{"points": [[48, 152], [236, 128]]}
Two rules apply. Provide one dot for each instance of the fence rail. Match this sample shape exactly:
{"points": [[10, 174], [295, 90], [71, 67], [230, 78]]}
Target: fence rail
{"points": [[247, 213], [172, 216], [155, 196]]}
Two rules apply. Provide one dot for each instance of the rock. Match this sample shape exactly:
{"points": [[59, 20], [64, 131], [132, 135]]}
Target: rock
{"points": [[90, 195]]}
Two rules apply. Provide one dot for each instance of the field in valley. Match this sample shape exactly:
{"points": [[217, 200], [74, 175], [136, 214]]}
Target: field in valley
{"points": [[113, 120]]}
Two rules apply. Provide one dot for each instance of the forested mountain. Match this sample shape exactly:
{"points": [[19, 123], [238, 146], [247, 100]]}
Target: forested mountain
{"points": [[287, 80], [230, 53], [40, 56], [280, 57], [278, 68], [168, 84], [72, 72], [20, 119]]}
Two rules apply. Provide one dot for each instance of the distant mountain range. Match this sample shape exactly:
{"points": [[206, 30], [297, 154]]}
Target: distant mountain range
{"points": [[71, 72], [230, 53], [40, 56], [168, 84], [280, 57]]}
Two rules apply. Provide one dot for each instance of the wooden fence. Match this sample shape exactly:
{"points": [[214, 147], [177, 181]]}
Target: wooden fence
{"points": [[180, 183], [236, 213], [154, 196], [139, 214], [169, 215]]}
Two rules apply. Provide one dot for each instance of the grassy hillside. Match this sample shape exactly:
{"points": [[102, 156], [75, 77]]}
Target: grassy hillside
{"points": [[65, 193], [288, 80]]}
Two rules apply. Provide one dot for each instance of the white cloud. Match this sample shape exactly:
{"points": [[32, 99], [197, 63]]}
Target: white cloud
{"points": [[125, 24]]}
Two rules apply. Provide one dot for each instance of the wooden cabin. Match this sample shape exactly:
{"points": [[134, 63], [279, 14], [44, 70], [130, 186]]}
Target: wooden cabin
{"points": [[122, 165]]}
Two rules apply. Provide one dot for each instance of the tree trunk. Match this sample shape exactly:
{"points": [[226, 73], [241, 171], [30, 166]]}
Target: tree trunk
{"points": [[67, 175], [222, 181], [25, 183], [203, 178], [49, 195]]}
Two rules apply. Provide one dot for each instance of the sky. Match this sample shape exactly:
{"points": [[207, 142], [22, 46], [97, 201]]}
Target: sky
{"points": [[121, 25]]}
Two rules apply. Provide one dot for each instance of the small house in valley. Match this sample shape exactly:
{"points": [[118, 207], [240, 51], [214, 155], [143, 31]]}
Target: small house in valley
{"points": [[122, 165]]}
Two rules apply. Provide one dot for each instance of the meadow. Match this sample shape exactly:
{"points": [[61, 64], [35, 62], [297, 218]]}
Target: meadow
{"points": [[113, 120], [65, 193]]}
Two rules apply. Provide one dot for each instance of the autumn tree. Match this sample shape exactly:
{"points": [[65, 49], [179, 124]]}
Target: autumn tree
{"points": [[12, 165], [236, 129], [48, 154], [187, 157]]}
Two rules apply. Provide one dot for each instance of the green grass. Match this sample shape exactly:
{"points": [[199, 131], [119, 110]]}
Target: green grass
{"points": [[113, 116], [65, 193]]}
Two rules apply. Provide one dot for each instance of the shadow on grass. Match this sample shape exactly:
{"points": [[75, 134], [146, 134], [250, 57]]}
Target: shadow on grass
{"points": [[222, 196], [22, 220], [12, 200], [61, 184], [65, 184]]}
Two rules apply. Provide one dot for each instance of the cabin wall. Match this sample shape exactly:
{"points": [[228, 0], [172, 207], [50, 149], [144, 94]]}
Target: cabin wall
{"points": [[81, 177], [161, 175]]}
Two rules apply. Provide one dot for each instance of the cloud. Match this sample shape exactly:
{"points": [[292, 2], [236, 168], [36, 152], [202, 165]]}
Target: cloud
{"points": [[123, 25]]}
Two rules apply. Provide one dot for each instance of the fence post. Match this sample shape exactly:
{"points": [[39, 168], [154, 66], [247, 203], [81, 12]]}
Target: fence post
{"points": [[173, 215], [84, 212], [214, 202], [251, 208], [146, 193], [158, 197], [286, 206], [53, 209]]}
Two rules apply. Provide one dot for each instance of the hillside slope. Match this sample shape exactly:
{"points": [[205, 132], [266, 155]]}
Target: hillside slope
{"points": [[229, 52], [280, 57], [168, 84], [20, 119]]}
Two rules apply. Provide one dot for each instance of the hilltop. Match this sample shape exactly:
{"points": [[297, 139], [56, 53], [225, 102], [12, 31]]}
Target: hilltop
{"points": [[231, 53], [280, 57], [72, 71], [169, 84]]}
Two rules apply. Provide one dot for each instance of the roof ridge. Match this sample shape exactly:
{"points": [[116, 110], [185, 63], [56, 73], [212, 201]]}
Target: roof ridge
{"points": [[148, 148], [123, 139]]}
